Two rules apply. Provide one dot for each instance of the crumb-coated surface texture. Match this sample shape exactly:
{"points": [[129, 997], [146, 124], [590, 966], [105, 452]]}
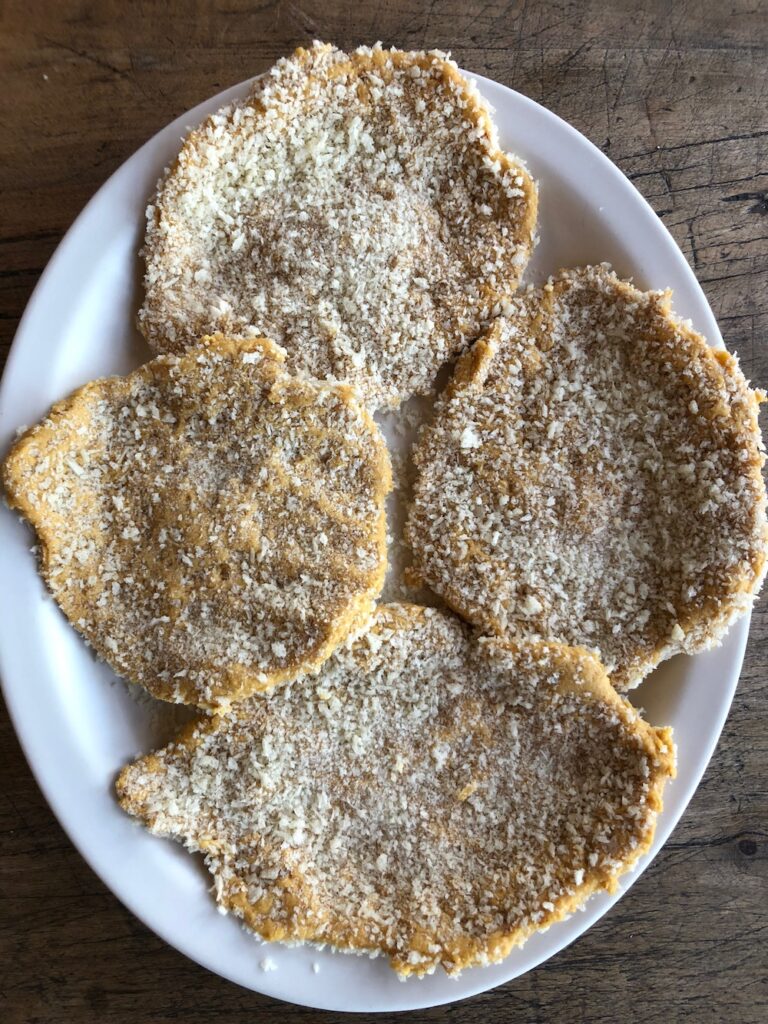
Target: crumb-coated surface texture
{"points": [[593, 475], [431, 796], [211, 524], [677, 100], [356, 208]]}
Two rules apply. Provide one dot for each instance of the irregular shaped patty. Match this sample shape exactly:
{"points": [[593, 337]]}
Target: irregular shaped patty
{"points": [[356, 208], [210, 524], [593, 475], [430, 796]]}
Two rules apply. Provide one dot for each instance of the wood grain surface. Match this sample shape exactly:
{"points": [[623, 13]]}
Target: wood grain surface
{"points": [[676, 95]]}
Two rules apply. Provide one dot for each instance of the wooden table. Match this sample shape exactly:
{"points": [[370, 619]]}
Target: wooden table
{"points": [[676, 95]]}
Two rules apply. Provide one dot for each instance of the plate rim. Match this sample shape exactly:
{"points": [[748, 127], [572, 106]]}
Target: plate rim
{"points": [[45, 777]]}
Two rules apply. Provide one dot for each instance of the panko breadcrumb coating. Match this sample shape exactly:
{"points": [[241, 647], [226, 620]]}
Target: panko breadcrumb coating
{"points": [[593, 476], [210, 524], [356, 208], [430, 796]]}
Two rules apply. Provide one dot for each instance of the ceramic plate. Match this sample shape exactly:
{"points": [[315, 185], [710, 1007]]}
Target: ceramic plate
{"points": [[78, 724]]}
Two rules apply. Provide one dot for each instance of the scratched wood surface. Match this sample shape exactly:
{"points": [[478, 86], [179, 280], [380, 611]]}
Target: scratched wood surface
{"points": [[676, 95]]}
